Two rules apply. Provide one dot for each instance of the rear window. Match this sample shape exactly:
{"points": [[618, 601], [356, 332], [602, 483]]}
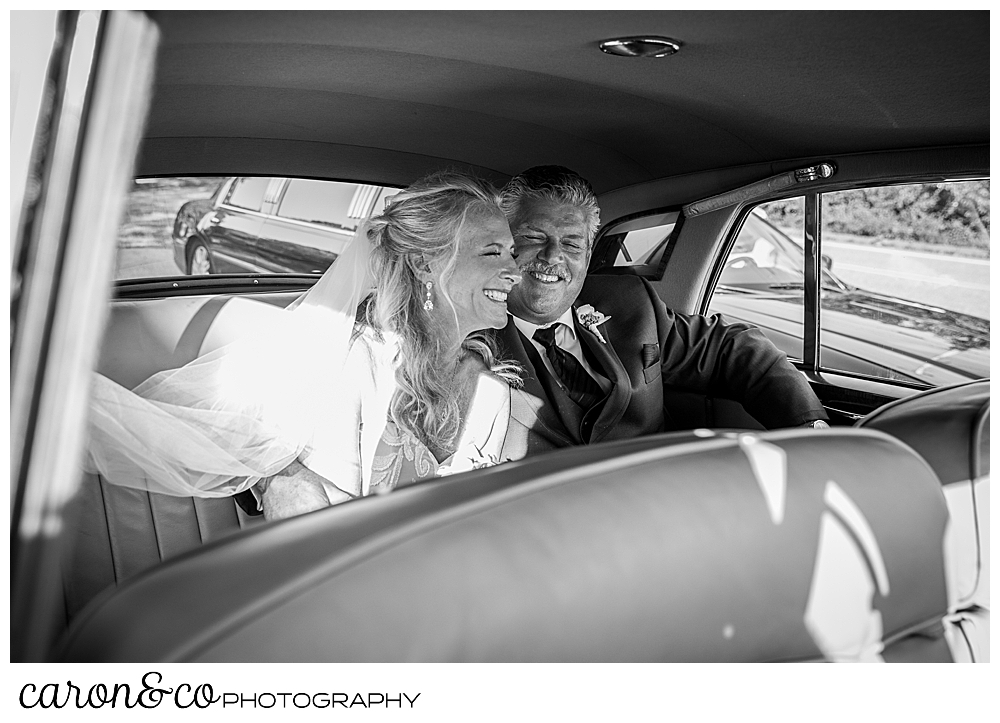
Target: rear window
{"points": [[237, 225]]}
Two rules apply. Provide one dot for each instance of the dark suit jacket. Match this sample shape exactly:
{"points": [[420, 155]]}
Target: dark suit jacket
{"points": [[648, 347]]}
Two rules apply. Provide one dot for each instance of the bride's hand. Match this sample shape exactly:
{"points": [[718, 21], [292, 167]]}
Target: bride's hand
{"points": [[295, 490]]}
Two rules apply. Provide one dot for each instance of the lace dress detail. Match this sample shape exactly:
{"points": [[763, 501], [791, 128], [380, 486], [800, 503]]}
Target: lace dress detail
{"points": [[400, 459]]}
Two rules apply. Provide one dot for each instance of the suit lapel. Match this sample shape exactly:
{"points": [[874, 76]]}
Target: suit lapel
{"points": [[534, 405], [621, 393]]}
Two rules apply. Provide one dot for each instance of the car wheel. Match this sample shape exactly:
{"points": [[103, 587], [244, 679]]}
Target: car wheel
{"points": [[199, 260]]}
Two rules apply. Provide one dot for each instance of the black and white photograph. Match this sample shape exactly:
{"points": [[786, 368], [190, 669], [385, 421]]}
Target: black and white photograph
{"points": [[528, 336]]}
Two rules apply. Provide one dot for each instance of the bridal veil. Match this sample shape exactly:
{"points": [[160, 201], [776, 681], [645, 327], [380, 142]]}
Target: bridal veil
{"points": [[221, 423]]}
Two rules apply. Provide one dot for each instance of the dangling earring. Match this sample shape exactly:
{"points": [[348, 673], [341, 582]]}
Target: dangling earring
{"points": [[429, 302]]}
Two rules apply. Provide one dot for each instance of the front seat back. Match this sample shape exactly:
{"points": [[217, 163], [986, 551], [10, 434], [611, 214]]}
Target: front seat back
{"points": [[950, 428], [782, 546]]}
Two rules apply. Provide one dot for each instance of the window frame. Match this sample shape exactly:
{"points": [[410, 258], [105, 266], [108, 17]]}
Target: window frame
{"points": [[279, 198], [604, 251], [234, 185], [813, 249]]}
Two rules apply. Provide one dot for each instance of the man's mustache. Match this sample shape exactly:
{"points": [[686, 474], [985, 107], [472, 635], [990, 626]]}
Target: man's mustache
{"points": [[551, 270]]}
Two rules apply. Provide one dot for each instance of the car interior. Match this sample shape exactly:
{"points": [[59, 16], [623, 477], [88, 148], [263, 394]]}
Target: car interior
{"points": [[719, 542]]}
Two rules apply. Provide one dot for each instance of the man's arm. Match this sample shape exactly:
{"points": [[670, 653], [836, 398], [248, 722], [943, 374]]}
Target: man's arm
{"points": [[297, 490], [735, 361]]}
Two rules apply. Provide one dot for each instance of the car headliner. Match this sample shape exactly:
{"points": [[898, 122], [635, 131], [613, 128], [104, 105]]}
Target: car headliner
{"points": [[386, 96]]}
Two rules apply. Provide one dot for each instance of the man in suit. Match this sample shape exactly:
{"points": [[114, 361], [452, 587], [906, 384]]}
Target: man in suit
{"points": [[598, 352]]}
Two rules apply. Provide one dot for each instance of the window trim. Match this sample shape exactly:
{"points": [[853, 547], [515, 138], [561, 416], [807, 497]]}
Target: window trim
{"points": [[812, 346], [235, 185], [279, 198], [310, 225], [811, 323], [603, 256]]}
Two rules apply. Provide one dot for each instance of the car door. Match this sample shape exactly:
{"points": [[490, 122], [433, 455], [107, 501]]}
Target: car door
{"points": [[903, 298], [73, 148], [234, 227], [874, 285]]}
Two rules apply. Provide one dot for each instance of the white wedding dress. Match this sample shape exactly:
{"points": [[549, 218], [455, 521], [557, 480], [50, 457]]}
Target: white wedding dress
{"points": [[293, 386]]}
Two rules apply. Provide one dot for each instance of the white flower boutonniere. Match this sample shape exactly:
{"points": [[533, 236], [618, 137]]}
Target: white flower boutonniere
{"points": [[591, 318]]}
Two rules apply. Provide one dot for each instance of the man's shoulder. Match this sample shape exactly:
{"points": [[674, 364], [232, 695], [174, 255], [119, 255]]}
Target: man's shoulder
{"points": [[613, 290]]}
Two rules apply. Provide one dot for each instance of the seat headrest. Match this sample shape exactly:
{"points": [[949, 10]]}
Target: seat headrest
{"points": [[947, 426]]}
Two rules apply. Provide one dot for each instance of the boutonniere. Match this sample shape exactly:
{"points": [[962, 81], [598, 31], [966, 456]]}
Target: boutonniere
{"points": [[591, 318]]}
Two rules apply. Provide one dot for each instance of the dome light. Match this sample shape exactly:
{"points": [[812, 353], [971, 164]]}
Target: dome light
{"points": [[642, 46]]}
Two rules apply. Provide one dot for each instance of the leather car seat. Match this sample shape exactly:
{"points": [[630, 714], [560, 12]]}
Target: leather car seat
{"points": [[789, 545], [118, 532], [949, 427]]}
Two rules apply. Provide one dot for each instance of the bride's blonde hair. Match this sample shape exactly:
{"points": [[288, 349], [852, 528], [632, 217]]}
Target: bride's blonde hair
{"points": [[418, 225]]}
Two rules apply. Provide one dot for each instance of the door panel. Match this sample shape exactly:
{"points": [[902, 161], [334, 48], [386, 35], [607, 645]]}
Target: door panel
{"points": [[235, 226], [233, 236], [288, 246]]}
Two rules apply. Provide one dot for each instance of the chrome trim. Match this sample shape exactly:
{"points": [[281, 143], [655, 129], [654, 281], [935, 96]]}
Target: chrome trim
{"points": [[273, 191], [227, 185], [641, 46], [812, 330], [643, 222], [240, 262], [853, 416], [363, 201], [814, 173], [879, 386], [760, 189], [240, 209], [310, 225]]}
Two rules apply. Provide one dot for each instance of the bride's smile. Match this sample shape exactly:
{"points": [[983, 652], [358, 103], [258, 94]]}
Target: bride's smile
{"points": [[478, 278]]}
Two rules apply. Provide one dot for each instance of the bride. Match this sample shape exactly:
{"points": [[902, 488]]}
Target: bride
{"points": [[333, 399]]}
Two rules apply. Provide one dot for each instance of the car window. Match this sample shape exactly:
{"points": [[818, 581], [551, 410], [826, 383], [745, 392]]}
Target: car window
{"points": [[916, 260], [643, 247], [320, 202], [213, 225], [248, 193], [762, 280], [904, 294], [636, 246]]}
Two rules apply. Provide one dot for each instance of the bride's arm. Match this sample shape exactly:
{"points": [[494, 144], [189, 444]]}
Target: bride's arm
{"points": [[329, 471]]}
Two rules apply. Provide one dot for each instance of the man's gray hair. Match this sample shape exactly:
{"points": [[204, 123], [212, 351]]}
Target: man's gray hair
{"points": [[552, 183]]}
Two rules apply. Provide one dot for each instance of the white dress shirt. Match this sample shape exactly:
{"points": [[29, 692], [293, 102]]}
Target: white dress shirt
{"points": [[567, 340]]}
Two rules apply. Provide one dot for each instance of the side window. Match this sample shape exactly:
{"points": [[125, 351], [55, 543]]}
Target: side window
{"points": [[913, 261], [762, 280], [904, 289], [637, 246], [321, 202], [248, 193], [644, 247]]}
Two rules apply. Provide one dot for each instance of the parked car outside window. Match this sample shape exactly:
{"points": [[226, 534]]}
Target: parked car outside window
{"points": [[259, 225]]}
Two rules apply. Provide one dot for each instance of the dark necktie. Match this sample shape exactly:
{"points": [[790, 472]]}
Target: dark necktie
{"points": [[580, 386]]}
